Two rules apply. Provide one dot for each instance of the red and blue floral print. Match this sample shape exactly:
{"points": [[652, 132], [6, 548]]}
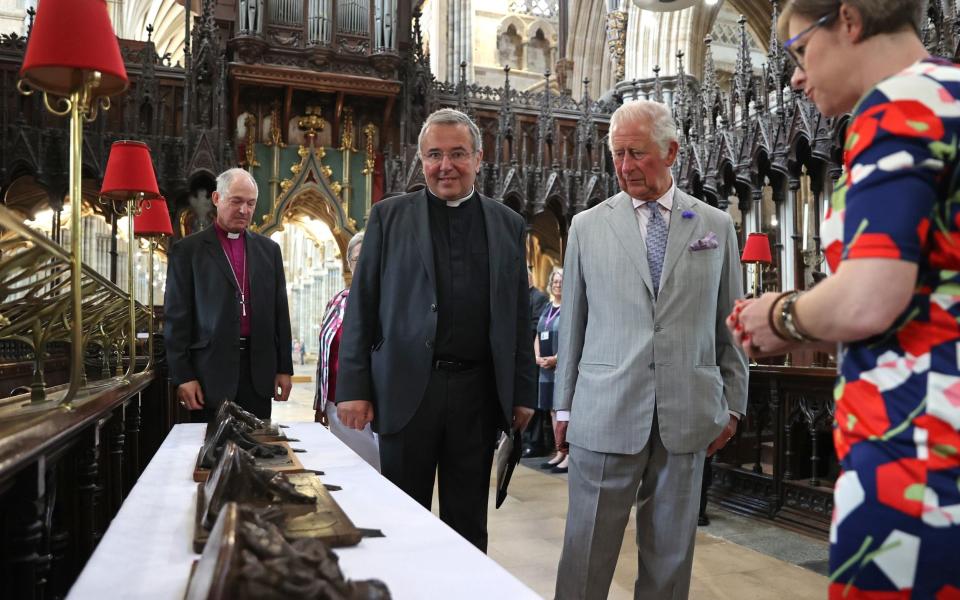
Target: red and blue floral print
{"points": [[896, 522]]}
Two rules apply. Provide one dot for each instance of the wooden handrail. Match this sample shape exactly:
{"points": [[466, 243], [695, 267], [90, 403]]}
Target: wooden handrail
{"points": [[23, 440]]}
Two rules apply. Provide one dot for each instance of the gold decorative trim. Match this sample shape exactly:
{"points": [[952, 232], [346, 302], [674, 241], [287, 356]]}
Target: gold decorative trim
{"points": [[313, 80]]}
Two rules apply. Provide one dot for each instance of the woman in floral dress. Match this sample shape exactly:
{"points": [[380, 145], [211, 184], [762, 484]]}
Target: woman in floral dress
{"points": [[892, 241]]}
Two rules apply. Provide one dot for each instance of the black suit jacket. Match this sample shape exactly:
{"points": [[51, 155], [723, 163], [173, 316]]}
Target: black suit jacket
{"points": [[202, 315], [386, 348]]}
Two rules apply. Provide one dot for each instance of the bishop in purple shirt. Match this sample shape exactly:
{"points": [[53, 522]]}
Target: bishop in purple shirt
{"points": [[227, 322]]}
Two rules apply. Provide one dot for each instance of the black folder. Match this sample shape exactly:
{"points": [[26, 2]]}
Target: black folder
{"points": [[506, 458]]}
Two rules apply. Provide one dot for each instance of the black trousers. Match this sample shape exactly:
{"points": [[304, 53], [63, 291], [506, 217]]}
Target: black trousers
{"points": [[539, 433], [452, 435], [246, 397], [705, 484]]}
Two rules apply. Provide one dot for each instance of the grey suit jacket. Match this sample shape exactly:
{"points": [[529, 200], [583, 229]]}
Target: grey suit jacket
{"points": [[621, 350]]}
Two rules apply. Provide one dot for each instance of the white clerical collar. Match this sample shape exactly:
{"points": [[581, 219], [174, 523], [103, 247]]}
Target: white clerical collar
{"points": [[233, 236], [666, 200], [456, 203]]}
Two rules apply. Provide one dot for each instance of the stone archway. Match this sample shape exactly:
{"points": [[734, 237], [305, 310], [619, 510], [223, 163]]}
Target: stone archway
{"points": [[311, 203], [308, 225]]}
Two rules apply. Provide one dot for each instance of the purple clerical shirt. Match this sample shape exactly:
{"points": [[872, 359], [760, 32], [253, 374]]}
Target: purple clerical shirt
{"points": [[235, 249]]}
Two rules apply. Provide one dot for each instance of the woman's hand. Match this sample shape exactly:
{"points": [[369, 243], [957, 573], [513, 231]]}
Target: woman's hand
{"points": [[548, 362], [750, 324]]}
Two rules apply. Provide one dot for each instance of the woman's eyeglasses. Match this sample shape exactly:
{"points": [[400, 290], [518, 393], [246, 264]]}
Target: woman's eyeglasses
{"points": [[796, 54]]}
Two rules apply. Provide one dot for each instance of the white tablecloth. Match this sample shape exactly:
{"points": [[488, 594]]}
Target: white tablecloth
{"points": [[146, 552]]}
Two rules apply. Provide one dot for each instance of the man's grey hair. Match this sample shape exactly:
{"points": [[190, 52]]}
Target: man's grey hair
{"points": [[355, 241], [225, 180], [663, 129], [450, 116]]}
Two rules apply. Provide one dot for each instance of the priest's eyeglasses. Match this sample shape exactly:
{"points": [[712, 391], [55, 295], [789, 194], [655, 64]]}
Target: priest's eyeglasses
{"points": [[435, 157], [796, 53]]}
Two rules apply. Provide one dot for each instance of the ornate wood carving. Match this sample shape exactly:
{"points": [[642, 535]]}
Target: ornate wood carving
{"points": [[131, 460], [781, 465], [116, 439], [52, 487]]}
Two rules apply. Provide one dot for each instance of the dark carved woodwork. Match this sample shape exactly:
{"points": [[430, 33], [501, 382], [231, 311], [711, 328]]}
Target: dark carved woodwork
{"points": [[90, 490], [63, 513], [63, 475], [116, 438], [131, 461], [781, 465], [22, 571]]}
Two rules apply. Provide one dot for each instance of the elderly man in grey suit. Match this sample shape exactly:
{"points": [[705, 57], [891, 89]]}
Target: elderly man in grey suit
{"points": [[649, 378]]}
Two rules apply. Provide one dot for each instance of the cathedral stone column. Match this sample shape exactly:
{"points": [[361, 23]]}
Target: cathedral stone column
{"points": [[616, 41], [459, 38]]}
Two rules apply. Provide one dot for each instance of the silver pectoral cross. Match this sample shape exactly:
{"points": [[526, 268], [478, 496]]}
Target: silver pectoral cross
{"points": [[243, 304]]}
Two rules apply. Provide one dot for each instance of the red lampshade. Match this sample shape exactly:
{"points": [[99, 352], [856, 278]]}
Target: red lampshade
{"points": [[154, 219], [70, 37], [129, 172], [757, 249]]}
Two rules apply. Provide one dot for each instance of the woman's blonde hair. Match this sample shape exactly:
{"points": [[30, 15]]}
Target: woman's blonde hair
{"points": [[879, 16]]}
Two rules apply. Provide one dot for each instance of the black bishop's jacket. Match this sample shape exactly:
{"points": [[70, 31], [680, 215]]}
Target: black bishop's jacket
{"points": [[202, 316]]}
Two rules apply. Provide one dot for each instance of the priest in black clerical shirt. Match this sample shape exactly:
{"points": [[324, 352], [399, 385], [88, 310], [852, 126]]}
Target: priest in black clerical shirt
{"points": [[436, 349]]}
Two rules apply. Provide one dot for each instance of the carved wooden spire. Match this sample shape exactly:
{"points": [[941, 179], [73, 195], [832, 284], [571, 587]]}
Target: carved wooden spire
{"points": [[711, 89], [778, 72], [504, 131], [743, 77], [657, 85]]}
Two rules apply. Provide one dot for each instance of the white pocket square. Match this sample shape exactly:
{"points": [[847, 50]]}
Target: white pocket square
{"points": [[707, 242]]}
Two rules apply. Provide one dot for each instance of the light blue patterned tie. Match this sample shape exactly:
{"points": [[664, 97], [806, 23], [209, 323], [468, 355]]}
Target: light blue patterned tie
{"points": [[656, 244]]}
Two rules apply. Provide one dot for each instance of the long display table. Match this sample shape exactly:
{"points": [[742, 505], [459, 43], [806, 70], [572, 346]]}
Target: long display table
{"points": [[146, 552]]}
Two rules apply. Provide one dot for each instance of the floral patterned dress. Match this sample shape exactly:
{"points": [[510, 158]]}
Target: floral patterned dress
{"points": [[896, 520]]}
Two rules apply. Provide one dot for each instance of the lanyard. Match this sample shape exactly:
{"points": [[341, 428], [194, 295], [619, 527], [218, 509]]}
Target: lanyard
{"points": [[552, 314]]}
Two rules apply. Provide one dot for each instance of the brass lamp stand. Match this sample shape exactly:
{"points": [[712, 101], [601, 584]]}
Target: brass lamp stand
{"points": [[152, 222], [73, 55], [128, 182]]}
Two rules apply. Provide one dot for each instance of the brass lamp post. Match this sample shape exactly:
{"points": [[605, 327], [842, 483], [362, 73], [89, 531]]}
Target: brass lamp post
{"points": [[152, 223], [73, 57], [128, 182]]}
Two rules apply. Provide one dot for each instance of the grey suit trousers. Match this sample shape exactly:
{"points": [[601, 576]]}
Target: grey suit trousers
{"points": [[602, 489]]}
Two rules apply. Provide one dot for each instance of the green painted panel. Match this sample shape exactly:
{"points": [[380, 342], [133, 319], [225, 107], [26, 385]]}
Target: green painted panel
{"points": [[289, 157]]}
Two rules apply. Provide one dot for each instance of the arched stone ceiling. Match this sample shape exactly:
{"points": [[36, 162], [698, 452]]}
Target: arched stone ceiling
{"points": [[167, 18], [587, 47], [652, 38]]}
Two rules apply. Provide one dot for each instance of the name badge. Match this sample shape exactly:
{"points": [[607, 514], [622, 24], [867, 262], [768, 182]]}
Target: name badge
{"points": [[544, 335]]}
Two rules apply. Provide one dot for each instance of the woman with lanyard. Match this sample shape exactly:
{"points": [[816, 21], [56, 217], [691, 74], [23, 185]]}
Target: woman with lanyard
{"points": [[543, 347]]}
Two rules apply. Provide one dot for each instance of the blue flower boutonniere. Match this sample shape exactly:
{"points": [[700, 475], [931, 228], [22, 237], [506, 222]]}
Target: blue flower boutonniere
{"points": [[687, 214]]}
